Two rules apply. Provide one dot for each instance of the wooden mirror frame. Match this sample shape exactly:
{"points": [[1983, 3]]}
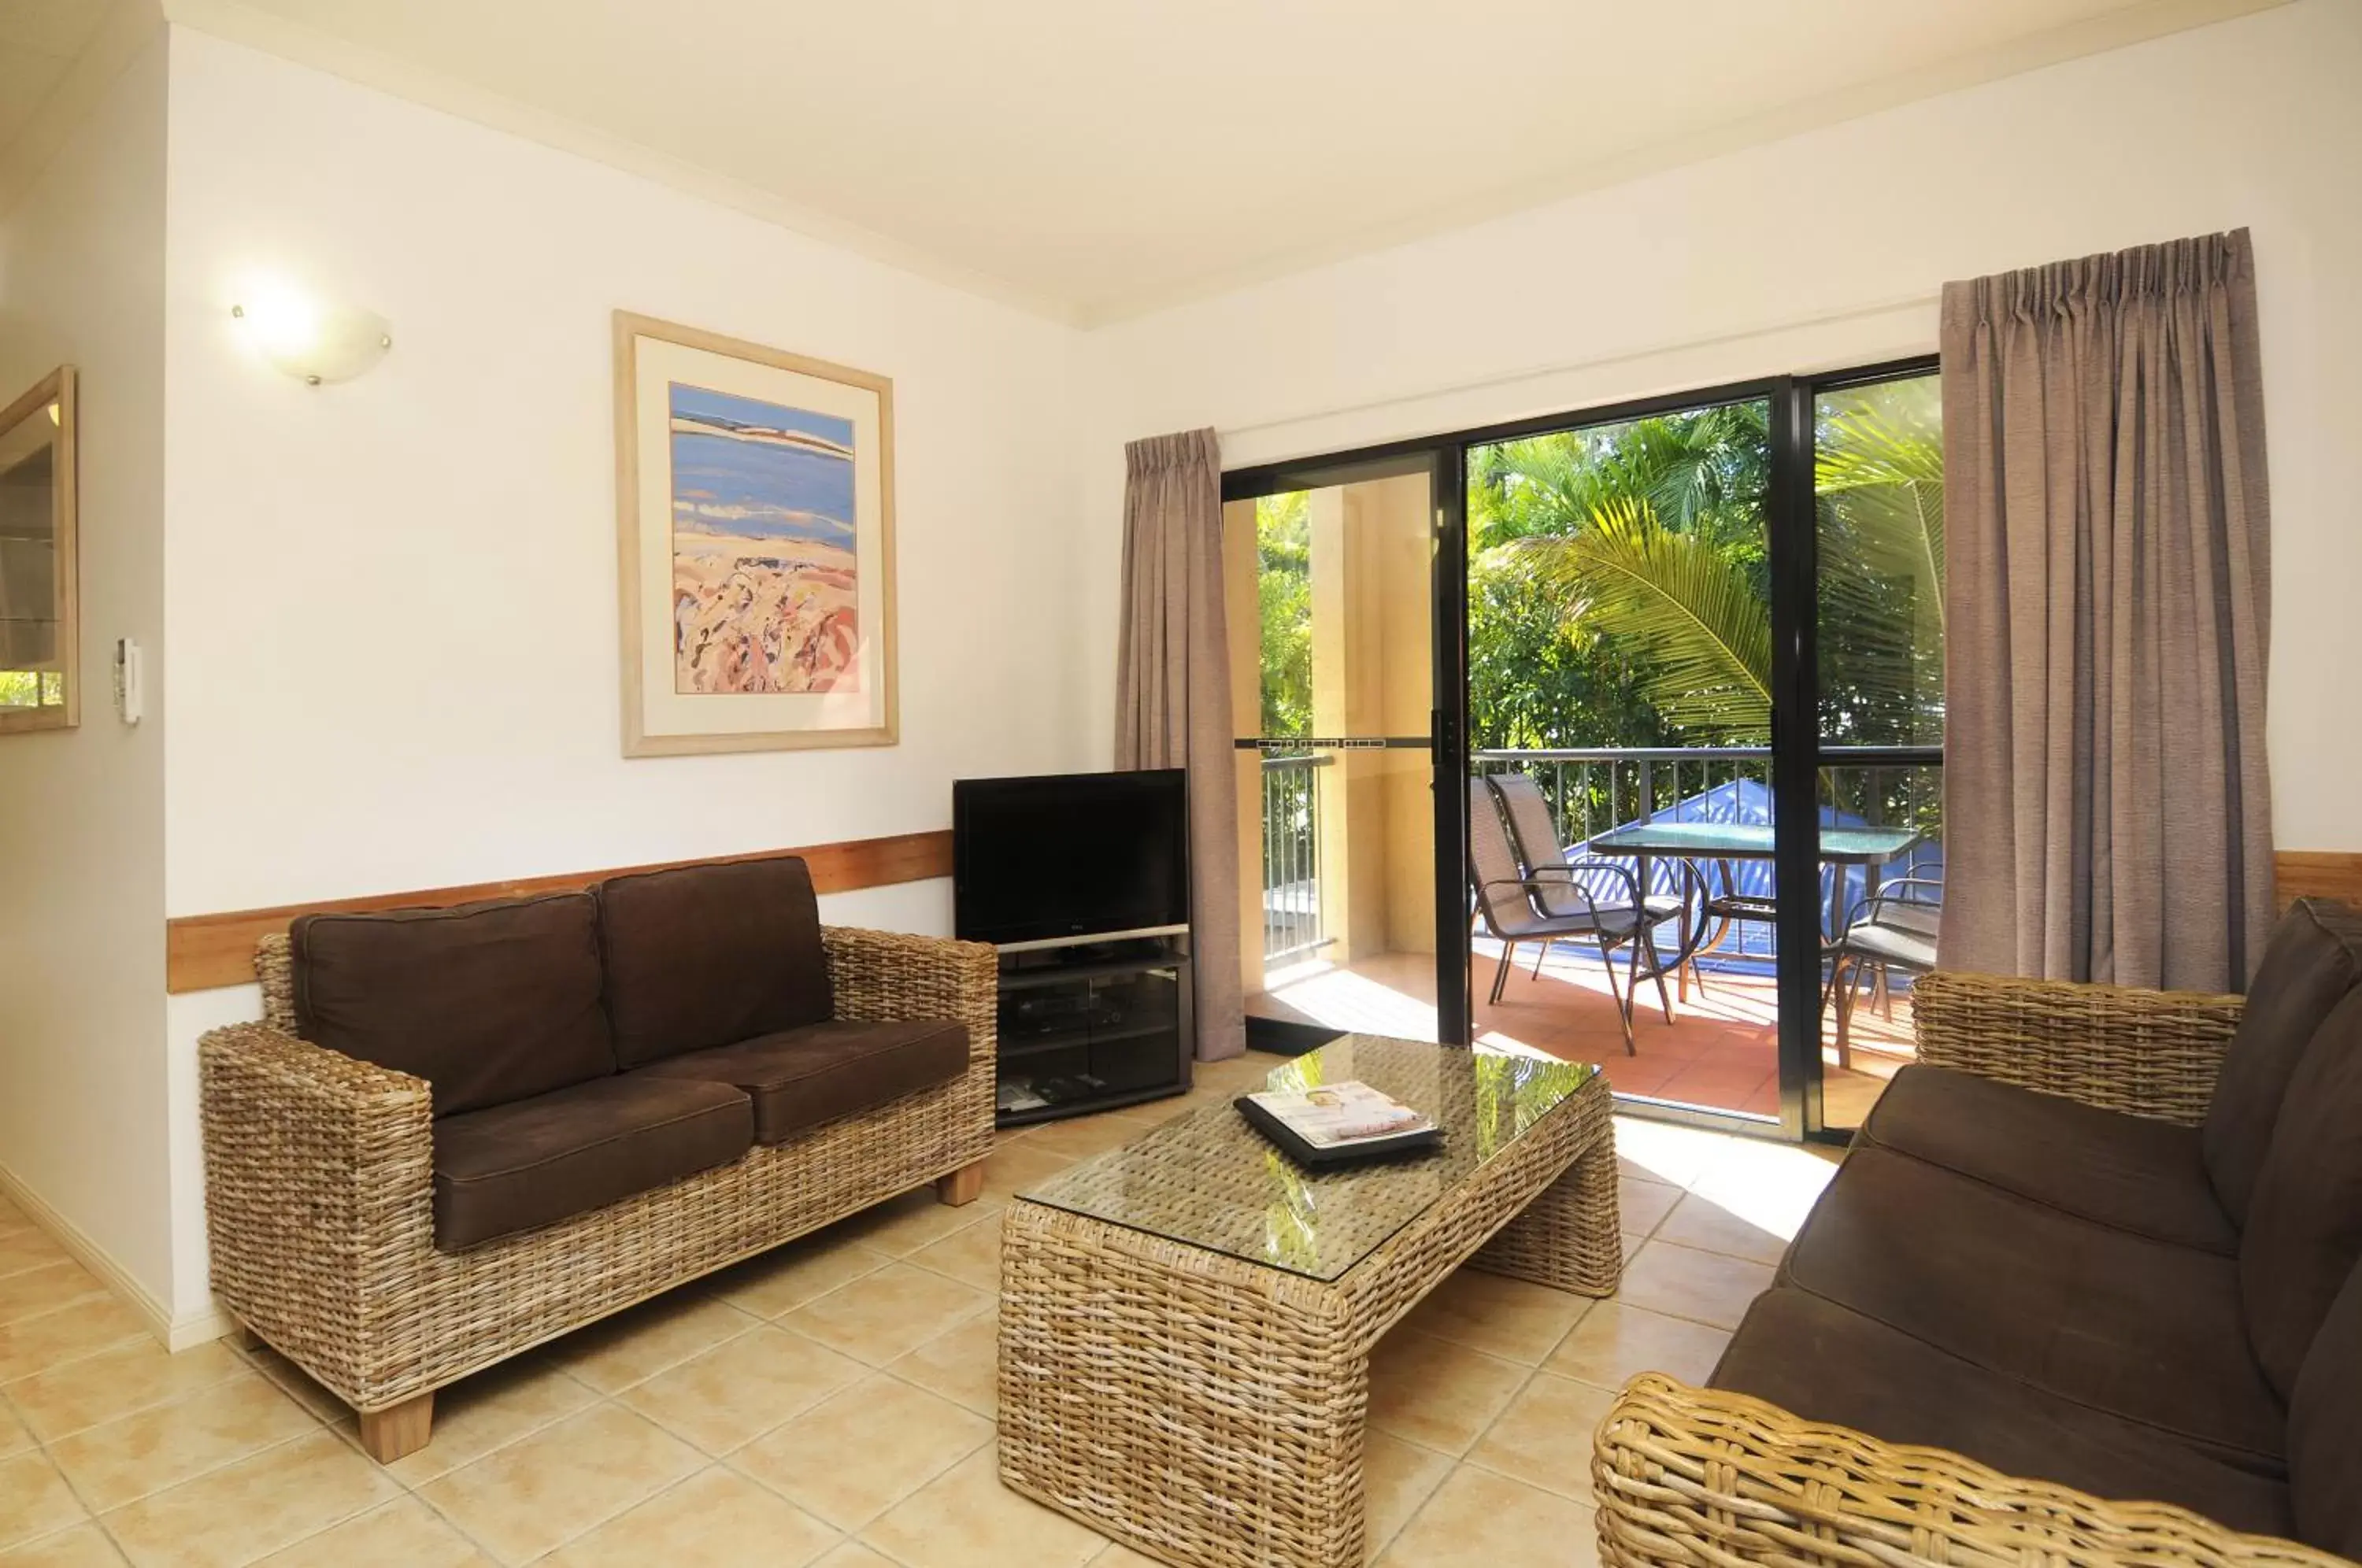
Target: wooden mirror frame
{"points": [[57, 387]]}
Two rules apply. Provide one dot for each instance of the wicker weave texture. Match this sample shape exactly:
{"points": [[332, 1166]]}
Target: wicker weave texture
{"points": [[319, 1191], [1211, 1412], [1698, 1479], [2153, 1054]]}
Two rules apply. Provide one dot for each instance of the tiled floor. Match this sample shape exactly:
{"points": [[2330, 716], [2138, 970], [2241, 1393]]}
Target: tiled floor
{"points": [[832, 1403], [1721, 1051]]}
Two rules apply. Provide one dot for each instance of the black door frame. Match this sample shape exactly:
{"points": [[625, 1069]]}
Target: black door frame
{"points": [[1792, 523]]}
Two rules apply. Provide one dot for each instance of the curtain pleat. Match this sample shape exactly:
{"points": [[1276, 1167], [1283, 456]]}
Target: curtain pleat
{"points": [[2107, 802]]}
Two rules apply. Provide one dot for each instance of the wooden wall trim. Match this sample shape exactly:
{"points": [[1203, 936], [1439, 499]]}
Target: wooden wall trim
{"points": [[207, 951], [2319, 874]]}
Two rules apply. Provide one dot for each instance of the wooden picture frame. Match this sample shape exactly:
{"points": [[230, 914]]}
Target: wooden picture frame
{"points": [[754, 540], [43, 424]]}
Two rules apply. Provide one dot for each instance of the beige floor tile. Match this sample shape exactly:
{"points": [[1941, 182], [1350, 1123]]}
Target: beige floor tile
{"points": [[888, 1314], [862, 1451], [1478, 1520], [1396, 1477], [35, 1344], [34, 1499], [490, 1410], [1686, 1283], [28, 1247], [46, 1288], [1700, 1221], [852, 1554], [963, 1365], [1013, 1169], [1642, 1207], [1544, 1437], [112, 1463], [1086, 1135], [635, 1345], [967, 1519], [971, 1255], [913, 1220], [716, 1519], [1508, 1318], [1437, 1394], [116, 1382], [14, 1436], [253, 1507], [300, 1385], [785, 1278], [1614, 1341], [1659, 1150], [85, 1546], [540, 1492], [11, 1217], [405, 1533], [743, 1387]]}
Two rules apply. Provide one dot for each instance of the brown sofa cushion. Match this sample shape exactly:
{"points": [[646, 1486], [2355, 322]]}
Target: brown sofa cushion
{"points": [[2313, 958], [2304, 1224], [1823, 1363], [2127, 1172], [2137, 1328], [801, 1078], [708, 955], [488, 1002], [514, 1167], [2326, 1430]]}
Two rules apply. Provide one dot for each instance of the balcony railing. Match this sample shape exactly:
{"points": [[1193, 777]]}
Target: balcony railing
{"points": [[1291, 857]]}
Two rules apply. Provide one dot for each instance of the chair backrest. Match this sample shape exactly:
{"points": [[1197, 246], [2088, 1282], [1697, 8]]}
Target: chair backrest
{"points": [[1535, 835], [1493, 865]]}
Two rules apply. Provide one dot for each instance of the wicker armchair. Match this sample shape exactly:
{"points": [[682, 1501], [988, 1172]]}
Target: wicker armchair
{"points": [[1690, 1477], [319, 1193]]}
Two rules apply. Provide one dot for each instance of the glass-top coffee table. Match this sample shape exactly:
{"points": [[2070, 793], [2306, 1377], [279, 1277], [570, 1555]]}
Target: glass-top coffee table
{"points": [[1186, 1321]]}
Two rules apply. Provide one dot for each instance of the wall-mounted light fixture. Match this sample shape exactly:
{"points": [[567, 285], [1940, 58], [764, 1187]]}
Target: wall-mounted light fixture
{"points": [[308, 339]]}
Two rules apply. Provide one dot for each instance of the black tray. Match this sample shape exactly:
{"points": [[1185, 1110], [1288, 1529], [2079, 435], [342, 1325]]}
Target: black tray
{"points": [[1318, 1159]]}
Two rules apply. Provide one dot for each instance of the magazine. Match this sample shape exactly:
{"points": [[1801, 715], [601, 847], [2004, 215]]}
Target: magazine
{"points": [[1339, 1116]]}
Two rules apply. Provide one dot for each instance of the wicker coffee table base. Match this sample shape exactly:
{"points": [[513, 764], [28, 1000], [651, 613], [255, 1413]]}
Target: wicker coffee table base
{"points": [[1210, 1412]]}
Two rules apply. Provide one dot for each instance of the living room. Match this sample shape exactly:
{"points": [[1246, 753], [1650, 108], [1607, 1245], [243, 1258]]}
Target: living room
{"points": [[354, 645]]}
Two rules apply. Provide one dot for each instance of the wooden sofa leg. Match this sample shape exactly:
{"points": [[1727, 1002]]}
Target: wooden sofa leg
{"points": [[964, 1185], [399, 1429]]}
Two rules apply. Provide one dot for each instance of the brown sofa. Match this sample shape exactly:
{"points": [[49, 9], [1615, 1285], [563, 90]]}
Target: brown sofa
{"points": [[2087, 1287], [461, 1131]]}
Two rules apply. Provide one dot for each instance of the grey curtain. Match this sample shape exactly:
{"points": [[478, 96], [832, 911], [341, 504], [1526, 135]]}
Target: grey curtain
{"points": [[2107, 812], [1173, 694]]}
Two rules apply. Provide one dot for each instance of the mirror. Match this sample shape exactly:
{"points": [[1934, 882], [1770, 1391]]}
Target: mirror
{"points": [[40, 687]]}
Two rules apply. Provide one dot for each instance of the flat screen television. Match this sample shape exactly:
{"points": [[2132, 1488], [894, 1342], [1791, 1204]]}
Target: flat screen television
{"points": [[1069, 854]]}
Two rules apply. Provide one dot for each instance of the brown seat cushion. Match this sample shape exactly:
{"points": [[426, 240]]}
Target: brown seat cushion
{"points": [[2137, 1328], [2326, 1430], [1821, 1362], [514, 1167], [708, 956], [2127, 1172], [801, 1078], [488, 1002], [2313, 958], [2304, 1224]]}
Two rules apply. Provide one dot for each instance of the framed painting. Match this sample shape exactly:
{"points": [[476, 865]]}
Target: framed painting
{"points": [[40, 619], [754, 492]]}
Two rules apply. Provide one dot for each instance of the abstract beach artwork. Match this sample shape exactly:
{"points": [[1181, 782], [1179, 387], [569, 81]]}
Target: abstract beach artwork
{"points": [[757, 545]]}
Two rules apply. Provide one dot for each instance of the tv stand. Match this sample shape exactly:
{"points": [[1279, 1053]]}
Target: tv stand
{"points": [[1093, 1022]]}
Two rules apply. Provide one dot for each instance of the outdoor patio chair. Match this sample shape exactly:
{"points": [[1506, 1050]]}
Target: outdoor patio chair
{"points": [[1893, 927], [1533, 832], [1506, 903]]}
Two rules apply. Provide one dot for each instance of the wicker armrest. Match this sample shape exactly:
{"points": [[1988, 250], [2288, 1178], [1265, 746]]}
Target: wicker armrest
{"points": [[1698, 1479], [319, 1169], [885, 976], [2153, 1054]]}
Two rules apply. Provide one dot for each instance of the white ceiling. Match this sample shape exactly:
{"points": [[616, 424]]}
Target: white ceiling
{"points": [[38, 41], [1095, 157]]}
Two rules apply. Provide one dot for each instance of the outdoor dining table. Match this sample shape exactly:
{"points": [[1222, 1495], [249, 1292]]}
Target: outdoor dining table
{"points": [[1868, 847]]}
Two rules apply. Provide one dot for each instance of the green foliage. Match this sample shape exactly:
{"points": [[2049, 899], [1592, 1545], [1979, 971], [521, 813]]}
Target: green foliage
{"points": [[20, 689], [1284, 593], [1879, 480]]}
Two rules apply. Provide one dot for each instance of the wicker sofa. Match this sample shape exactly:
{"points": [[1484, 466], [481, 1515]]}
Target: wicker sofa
{"points": [[2087, 1289], [390, 1235]]}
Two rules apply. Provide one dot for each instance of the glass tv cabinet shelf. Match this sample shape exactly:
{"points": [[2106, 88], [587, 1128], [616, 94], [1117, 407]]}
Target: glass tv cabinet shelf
{"points": [[1094, 1024]]}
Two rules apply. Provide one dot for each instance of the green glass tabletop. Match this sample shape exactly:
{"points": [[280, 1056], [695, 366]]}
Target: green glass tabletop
{"points": [[1208, 1179], [1748, 841]]}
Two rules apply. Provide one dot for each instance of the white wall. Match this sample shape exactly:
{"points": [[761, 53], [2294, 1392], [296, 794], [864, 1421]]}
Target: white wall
{"points": [[82, 1123], [396, 661], [1826, 250]]}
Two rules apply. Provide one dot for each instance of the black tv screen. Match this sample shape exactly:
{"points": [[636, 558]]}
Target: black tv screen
{"points": [[1069, 854]]}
